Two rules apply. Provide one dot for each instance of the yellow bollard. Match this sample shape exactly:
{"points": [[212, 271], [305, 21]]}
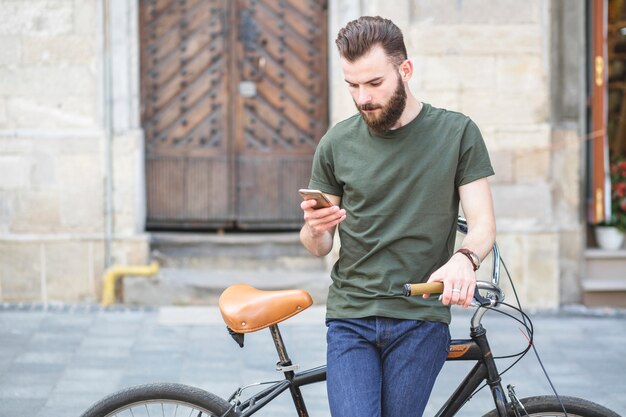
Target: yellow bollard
{"points": [[116, 272]]}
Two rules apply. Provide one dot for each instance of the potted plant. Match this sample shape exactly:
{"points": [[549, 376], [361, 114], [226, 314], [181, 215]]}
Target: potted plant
{"points": [[610, 234]]}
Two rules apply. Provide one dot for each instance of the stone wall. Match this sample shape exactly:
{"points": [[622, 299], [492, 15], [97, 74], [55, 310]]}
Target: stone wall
{"points": [[504, 63], [53, 155], [492, 61]]}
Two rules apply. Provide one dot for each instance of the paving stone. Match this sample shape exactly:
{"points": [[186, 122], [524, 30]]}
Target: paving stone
{"points": [[58, 362], [21, 406]]}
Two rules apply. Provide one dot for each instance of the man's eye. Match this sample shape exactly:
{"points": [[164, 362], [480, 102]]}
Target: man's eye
{"points": [[352, 85], [376, 84]]}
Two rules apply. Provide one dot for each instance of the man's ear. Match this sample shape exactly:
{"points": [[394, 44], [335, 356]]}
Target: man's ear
{"points": [[406, 70]]}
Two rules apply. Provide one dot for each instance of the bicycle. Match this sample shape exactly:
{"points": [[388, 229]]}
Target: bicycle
{"points": [[246, 310]]}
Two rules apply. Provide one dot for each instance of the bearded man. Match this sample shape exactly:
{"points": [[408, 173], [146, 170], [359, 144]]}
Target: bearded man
{"points": [[396, 172]]}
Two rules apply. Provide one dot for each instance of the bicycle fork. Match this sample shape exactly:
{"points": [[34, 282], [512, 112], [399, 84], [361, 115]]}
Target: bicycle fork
{"points": [[493, 377]]}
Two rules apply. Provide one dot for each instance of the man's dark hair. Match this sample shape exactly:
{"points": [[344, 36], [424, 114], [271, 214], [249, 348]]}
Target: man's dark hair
{"points": [[360, 35]]}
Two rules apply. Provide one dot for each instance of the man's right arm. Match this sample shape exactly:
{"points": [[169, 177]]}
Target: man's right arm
{"points": [[319, 225]]}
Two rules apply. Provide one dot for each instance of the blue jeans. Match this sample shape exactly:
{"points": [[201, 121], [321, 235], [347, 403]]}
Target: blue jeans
{"points": [[383, 367]]}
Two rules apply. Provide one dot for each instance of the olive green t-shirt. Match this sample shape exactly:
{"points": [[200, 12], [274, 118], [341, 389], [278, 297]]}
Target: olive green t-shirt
{"points": [[400, 193]]}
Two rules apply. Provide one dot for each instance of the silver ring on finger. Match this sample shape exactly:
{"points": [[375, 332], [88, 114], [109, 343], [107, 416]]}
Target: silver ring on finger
{"points": [[456, 290]]}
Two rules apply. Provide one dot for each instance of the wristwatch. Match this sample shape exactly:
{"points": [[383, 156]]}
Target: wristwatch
{"points": [[474, 259]]}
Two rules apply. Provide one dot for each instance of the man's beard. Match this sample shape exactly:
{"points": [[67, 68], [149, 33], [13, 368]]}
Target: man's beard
{"points": [[390, 113]]}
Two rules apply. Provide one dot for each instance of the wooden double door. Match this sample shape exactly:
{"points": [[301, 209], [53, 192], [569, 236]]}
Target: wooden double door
{"points": [[234, 101]]}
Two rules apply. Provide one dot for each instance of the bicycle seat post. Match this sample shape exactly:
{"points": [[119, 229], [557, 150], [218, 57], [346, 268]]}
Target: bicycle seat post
{"points": [[283, 357], [284, 365]]}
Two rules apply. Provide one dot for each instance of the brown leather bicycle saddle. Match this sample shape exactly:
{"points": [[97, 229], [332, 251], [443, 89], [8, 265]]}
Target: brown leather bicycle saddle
{"points": [[246, 309]]}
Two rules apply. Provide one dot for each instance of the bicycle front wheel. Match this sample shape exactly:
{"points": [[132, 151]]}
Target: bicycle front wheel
{"points": [[549, 406], [159, 400]]}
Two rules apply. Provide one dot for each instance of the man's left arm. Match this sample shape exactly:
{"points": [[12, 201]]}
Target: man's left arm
{"points": [[458, 273]]}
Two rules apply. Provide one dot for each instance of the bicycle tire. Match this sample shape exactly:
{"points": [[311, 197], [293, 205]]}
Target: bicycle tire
{"points": [[141, 399], [548, 405]]}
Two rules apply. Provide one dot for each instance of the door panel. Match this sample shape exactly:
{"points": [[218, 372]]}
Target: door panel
{"points": [[282, 122], [185, 77], [234, 102]]}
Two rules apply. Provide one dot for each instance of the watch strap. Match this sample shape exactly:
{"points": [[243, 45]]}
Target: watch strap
{"points": [[470, 255]]}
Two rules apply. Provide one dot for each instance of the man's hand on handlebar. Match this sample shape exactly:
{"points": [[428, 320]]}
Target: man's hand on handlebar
{"points": [[459, 281]]}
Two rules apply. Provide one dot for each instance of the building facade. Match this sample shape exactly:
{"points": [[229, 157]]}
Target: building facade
{"points": [[79, 185]]}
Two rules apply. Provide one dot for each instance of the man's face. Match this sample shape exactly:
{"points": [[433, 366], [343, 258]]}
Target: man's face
{"points": [[377, 89]]}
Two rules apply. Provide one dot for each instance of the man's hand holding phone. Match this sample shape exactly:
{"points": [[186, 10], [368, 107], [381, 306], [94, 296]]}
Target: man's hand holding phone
{"points": [[321, 212]]}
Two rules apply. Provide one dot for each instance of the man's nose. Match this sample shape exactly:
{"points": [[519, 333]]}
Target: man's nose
{"points": [[364, 96]]}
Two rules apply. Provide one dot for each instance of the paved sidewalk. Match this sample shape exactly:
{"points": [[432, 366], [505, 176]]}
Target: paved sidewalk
{"points": [[56, 361]]}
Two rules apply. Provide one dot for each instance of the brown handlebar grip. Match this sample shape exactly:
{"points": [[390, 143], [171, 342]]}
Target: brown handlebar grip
{"points": [[425, 288]]}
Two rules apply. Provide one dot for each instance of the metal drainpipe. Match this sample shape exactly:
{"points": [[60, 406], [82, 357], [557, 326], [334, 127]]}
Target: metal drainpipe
{"points": [[108, 129]]}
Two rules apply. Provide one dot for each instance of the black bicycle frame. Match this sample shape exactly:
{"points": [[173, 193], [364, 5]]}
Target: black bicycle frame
{"points": [[474, 349], [292, 382]]}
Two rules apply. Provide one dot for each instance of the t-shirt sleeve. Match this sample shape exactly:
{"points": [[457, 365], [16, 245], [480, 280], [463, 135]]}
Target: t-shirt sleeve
{"points": [[323, 172], [474, 162]]}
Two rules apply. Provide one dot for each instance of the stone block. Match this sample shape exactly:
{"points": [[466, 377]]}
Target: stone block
{"points": [[571, 266], [43, 171], [6, 210], [510, 245], [532, 165], [507, 12], [36, 17], [527, 108], [493, 40], [340, 13], [15, 146], [520, 73], [533, 261], [566, 178], [342, 104], [502, 163], [448, 100], [51, 112], [69, 265], [129, 201], [10, 50], [85, 16], [20, 271], [85, 142], [459, 72], [541, 270], [48, 82], [59, 50], [523, 205], [517, 138], [131, 251], [15, 172], [431, 40], [486, 12], [3, 113], [81, 184], [37, 212], [399, 13], [97, 252]]}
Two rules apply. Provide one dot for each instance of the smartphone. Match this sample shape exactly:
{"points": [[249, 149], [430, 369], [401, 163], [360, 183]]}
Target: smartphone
{"points": [[317, 195]]}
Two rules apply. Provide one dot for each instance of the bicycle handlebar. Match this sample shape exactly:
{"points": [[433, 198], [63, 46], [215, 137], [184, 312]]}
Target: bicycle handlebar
{"points": [[410, 290], [494, 293]]}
